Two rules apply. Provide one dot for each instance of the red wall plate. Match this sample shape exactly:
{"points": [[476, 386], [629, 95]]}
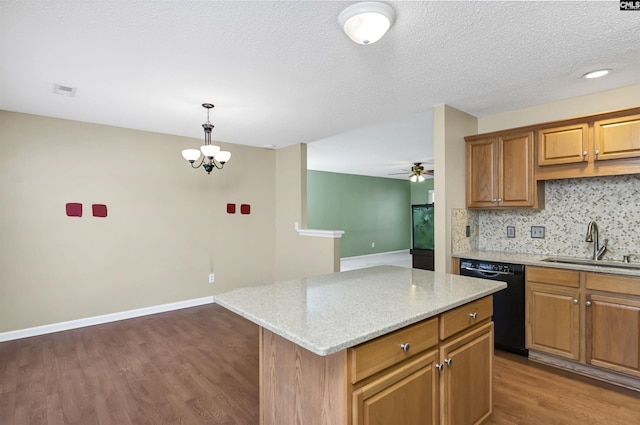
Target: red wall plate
{"points": [[74, 209], [245, 209], [231, 208], [99, 210]]}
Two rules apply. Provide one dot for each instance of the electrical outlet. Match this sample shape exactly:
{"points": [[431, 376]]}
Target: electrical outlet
{"points": [[511, 231], [373, 244], [537, 232], [212, 278], [467, 230]]}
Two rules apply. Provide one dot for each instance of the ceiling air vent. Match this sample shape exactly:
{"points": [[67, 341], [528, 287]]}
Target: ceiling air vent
{"points": [[64, 90]]}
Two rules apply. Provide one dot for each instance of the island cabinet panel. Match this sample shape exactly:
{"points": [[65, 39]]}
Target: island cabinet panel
{"points": [[617, 138], [373, 356], [437, 379], [298, 386], [466, 380], [553, 320], [408, 395], [563, 145]]}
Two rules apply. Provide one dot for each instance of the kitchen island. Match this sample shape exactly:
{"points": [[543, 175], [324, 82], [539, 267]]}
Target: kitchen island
{"points": [[384, 345]]}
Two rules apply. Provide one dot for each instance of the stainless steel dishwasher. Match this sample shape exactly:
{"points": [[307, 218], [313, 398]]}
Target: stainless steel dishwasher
{"points": [[508, 304]]}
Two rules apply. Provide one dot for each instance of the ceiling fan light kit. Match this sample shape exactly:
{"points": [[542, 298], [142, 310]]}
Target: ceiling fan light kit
{"points": [[366, 22], [212, 156]]}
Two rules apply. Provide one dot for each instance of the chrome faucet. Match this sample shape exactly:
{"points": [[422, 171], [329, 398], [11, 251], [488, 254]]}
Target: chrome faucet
{"points": [[592, 236]]}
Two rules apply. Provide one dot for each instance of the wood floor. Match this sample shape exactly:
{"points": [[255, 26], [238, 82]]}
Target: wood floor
{"points": [[200, 366]]}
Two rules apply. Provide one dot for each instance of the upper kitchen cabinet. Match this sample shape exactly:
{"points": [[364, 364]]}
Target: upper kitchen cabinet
{"points": [[563, 145], [500, 172], [596, 145], [617, 138]]}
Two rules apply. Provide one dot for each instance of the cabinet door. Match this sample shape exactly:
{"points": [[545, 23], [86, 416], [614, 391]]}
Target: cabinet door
{"points": [[466, 390], [482, 173], [407, 395], [617, 138], [613, 333], [516, 169], [553, 320], [563, 145]]}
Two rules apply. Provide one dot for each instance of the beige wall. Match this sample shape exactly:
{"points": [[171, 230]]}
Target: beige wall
{"points": [[167, 227], [298, 256], [622, 98], [450, 128]]}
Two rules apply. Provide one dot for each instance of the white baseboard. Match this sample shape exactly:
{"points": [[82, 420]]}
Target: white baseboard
{"points": [[377, 254], [106, 318]]}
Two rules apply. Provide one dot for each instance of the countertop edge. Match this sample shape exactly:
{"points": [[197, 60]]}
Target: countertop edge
{"points": [[536, 260], [331, 349]]}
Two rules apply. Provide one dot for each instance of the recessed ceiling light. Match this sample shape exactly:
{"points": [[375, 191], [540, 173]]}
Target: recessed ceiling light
{"points": [[596, 74]]}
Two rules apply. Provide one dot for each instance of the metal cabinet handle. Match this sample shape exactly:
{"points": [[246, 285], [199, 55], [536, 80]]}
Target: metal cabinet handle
{"points": [[494, 200], [405, 347], [440, 366], [588, 303], [575, 301], [597, 152], [473, 315], [448, 361], [499, 199]]}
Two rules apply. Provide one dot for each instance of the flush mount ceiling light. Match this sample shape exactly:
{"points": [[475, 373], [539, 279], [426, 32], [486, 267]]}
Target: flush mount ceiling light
{"points": [[366, 22], [212, 156], [596, 74]]}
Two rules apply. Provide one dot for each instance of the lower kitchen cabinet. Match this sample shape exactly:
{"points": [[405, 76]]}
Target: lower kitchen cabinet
{"points": [[408, 396], [553, 322], [466, 380], [586, 321], [444, 377], [613, 332]]}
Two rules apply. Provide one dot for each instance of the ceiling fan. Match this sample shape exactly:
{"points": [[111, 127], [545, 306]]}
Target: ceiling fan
{"points": [[417, 173]]}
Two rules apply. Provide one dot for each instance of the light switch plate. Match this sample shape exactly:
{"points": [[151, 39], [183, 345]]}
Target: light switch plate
{"points": [[511, 231], [537, 232]]}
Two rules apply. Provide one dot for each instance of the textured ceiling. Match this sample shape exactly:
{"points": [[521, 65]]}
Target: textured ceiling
{"points": [[283, 72]]}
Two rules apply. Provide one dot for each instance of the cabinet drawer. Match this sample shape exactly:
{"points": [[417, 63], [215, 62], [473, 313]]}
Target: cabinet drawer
{"points": [[465, 316], [551, 276], [378, 354]]}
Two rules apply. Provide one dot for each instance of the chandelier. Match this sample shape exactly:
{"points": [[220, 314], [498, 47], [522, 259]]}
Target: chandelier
{"points": [[212, 156]]}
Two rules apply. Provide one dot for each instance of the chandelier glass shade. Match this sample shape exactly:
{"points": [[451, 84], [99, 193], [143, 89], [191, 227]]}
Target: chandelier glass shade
{"points": [[212, 156]]}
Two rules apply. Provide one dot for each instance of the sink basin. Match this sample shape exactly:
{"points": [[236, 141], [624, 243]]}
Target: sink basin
{"points": [[588, 262]]}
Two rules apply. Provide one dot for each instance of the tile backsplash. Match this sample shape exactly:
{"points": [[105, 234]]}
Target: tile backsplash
{"points": [[612, 201]]}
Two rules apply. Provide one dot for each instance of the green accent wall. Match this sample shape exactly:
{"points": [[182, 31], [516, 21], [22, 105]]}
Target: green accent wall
{"points": [[420, 191], [369, 210]]}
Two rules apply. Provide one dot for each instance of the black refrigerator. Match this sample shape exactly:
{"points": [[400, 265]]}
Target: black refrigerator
{"points": [[422, 237]]}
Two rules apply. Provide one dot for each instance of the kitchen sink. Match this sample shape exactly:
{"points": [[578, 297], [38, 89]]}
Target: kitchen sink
{"points": [[589, 262]]}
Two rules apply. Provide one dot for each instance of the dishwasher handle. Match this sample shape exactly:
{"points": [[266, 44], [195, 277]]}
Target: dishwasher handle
{"points": [[487, 272]]}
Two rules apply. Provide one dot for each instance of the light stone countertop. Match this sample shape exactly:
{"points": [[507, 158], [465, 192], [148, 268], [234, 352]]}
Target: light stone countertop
{"points": [[536, 260], [328, 313]]}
